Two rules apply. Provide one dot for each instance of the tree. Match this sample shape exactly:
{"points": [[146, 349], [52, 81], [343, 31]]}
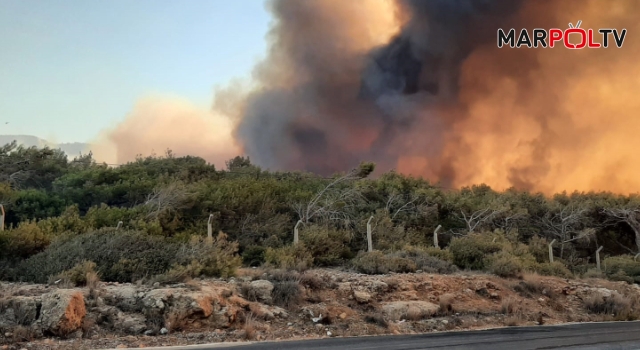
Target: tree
{"points": [[629, 215], [332, 200], [567, 223]]}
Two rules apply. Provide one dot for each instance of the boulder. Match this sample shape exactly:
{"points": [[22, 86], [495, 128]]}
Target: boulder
{"points": [[63, 311], [361, 297], [396, 310], [261, 291], [158, 298], [125, 297], [131, 323]]}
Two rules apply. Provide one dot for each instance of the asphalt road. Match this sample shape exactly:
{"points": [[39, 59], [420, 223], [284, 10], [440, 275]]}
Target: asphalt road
{"points": [[585, 336]]}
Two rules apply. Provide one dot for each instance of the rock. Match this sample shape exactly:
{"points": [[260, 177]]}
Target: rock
{"points": [[121, 346], [445, 322], [343, 316], [362, 297], [63, 311], [261, 291], [164, 331], [344, 287], [131, 323], [149, 332], [329, 333], [395, 310], [289, 324], [19, 310], [157, 298], [196, 304], [279, 312], [124, 297], [379, 287]]}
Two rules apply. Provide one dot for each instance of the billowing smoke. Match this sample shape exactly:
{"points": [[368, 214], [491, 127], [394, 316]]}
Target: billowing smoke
{"points": [[437, 98], [159, 124], [420, 86]]}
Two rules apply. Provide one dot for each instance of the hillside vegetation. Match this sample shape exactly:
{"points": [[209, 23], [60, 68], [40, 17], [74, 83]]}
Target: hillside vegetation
{"points": [[62, 222]]}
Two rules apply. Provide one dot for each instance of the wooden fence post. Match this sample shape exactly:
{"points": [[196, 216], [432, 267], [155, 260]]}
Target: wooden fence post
{"points": [[210, 227], [435, 236], [369, 239], [295, 232], [551, 250], [598, 258], [2, 218]]}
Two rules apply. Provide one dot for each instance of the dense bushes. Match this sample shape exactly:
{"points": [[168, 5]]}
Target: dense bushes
{"points": [[122, 256], [379, 263], [61, 213], [126, 256]]}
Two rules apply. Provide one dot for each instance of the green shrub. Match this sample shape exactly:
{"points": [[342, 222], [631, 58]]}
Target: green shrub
{"points": [[253, 255], [593, 273], [469, 252], [23, 241], [442, 254], [424, 261], [217, 258], [621, 268], [68, 222], [286, 288], [378, 263], [122, 256], [78, 274], [539, 248], [328, 247], [295, 257], [553, 269], [505, 265]]}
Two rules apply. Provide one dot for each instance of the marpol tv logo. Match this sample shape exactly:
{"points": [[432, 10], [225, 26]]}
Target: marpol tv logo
{"points": [[571, 38]]}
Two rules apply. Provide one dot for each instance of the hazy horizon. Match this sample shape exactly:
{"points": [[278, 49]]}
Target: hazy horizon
{"points": [[72, 68]]}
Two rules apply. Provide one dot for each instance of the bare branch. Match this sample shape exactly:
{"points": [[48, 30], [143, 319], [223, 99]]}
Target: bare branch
{"points": [[166, 199]]}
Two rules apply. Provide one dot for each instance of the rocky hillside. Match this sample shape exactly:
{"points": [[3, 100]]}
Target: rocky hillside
{"points": [[276, 305]]}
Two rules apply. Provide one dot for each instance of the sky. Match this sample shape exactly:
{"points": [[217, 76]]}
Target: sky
{"points": [[70, 68]]}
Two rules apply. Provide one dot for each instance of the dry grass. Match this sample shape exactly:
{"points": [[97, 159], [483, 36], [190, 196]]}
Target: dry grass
{"points": [[23, 334], [514, 320], [194, 285], [616, 306], [253, 274], [312, 281], [509, 306], [88, 325], [93, 280], [249, 328], [286, 288], [377, 319], [534, 284]]}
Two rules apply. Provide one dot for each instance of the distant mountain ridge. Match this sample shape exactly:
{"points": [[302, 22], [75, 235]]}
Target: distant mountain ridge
{"points": [[72, 149]]}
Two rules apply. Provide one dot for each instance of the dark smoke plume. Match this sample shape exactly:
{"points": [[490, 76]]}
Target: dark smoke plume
{"points": [[420, 86], [341, 105]]}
